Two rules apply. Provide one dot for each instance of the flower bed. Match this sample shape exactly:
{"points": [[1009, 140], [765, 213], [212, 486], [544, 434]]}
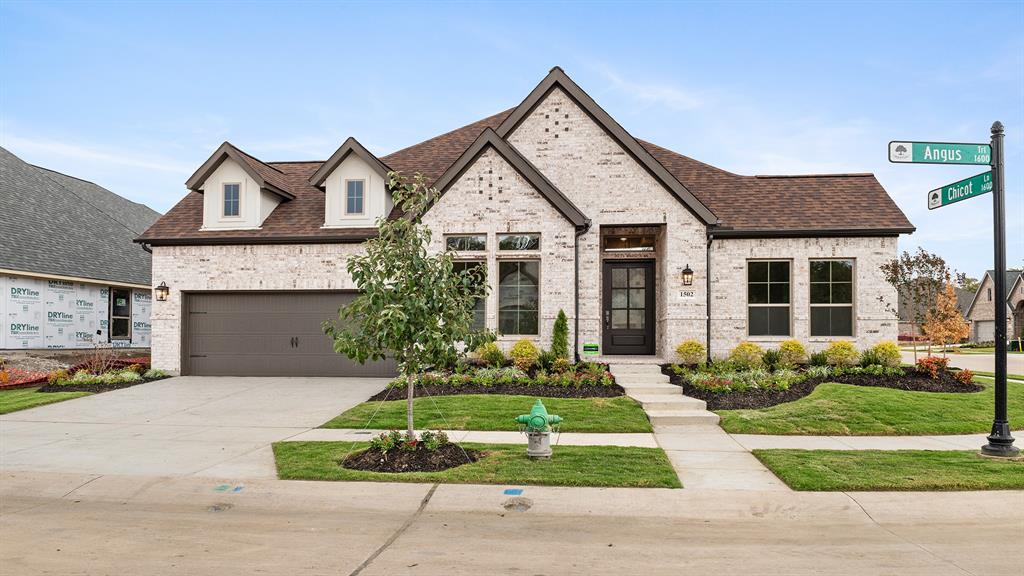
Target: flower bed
{"points": [[395, 452], [84, 381], [582, 380], [17, 378]]}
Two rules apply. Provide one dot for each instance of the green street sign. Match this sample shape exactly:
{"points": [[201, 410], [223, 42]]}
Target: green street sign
{"points": [[939, 153], [962, 190]]}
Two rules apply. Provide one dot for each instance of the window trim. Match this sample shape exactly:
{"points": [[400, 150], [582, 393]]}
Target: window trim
{"points": [[223, 201], [497, 308], [362, 199], [748, 305], [853, 297]]}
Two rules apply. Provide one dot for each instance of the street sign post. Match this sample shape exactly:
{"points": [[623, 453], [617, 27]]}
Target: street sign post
{"points": [[962, 190], [939, 153]]}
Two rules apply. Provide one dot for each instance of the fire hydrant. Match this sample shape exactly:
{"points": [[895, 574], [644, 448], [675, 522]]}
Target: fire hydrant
{"points": [[538, 430]]}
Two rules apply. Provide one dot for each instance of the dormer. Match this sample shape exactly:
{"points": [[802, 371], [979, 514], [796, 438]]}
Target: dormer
{"points": [[354, 182], [239, 191]]}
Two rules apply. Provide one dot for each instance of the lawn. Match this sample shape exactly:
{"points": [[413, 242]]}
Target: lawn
{"points": [[498, 412], [604, 466], [829, 470], [23, 398], [843, 409]]}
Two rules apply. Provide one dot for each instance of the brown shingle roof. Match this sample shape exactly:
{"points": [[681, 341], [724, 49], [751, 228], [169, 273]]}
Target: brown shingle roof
{"points": [[746, 205]]}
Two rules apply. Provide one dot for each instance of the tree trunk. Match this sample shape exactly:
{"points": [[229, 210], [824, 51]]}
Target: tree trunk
{"points": [[913, 338], [409, 394]]}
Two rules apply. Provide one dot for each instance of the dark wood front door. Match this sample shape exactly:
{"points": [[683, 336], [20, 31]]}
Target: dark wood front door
{"points": [[628, 307]]}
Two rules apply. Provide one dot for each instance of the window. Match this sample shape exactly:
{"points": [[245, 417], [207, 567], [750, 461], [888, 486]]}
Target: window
{"points": [[629, 243], [353, 196], [519, 242], [768, 298], [518, 284], [989, 291], [120, 314], [480, 308], [467, 243], [231, 199], [831, 297]]}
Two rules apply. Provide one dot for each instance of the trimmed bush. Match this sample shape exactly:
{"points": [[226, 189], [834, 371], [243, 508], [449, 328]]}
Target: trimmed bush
{"points": [[524, 354], [691, 353], [841, 353], [771, 358], [792, 353], [546, 358], [746, 355], [491, 354], [818, 359], [561, 366], [887, 353], [560, 336]]}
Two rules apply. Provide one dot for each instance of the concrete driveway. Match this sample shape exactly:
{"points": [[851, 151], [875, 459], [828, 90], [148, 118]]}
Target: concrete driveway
{"points": [[200, 426]]}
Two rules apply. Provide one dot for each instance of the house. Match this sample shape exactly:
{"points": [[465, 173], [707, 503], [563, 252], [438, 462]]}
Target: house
{"points": [[70, 274], [909, 328], [982, 311], [642, 247]]}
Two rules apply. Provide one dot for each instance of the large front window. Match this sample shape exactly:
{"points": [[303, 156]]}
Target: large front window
{"points": [[768, 298], [518, 297], [480, 306], [832, 298]]}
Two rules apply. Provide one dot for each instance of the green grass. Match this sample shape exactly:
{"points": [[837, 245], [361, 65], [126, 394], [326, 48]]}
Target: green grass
{"points": [[843, 409], [498, 412], [828, 470], [23, 398], [604, 466]]}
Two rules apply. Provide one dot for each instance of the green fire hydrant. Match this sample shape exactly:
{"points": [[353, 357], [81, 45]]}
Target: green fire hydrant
{"points": [[537, 425]]}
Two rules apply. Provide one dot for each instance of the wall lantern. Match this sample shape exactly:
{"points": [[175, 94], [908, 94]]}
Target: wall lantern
{"points": [[162, 291], [687, 276]]}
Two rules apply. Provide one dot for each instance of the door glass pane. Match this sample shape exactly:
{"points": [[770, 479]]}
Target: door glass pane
{"points": [[619, 277], [637, 277], [620, 319], [636, 319], [636, 298], [120, 328], [620, 298], [121, 304]]}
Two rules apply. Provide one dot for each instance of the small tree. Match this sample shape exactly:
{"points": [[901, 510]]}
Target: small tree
{"points": [[412, 306], [918, 279], [945, 324], [560, 336]]}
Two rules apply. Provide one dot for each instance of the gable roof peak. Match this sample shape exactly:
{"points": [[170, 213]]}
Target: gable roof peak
{"points": [[349, 146], [268, 177]]}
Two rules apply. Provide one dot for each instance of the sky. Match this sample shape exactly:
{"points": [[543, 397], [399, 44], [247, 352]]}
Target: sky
{"points": [[135, 96]]}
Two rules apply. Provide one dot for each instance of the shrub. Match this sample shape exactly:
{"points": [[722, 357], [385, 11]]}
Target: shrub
{"points": [[886, 353], [491, 354], [771, 358], [137, 368], [57, 376], [965, 376], [154, 373], [5, 377], [433, 440], [841, 353], [560, 336], [818, 371], [792, 353], [932, 366], [746, 355], [818, 359], [524, 354], [561, 365], [546, 358], [691, 353]]}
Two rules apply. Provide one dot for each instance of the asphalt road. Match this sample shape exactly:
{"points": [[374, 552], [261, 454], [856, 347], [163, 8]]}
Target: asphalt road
{"points": [[70, 524]]}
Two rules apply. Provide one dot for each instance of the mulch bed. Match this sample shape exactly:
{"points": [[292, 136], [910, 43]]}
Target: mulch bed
{"points": [[507, 389], [95, 387], [764, 398], [419, 460]]}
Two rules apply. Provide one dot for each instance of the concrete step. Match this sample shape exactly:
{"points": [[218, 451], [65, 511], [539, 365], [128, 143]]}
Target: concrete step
{"points": [[634, 368], [681, 417], [666, 402], [641, 378], [651, 388]]}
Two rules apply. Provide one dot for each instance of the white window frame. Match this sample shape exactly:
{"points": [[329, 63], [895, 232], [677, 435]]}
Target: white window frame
{"points": [[362, 199], [223, 201], [853, 297]]}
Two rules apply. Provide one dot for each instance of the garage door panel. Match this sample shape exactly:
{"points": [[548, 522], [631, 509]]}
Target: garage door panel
{"points": [[268, 334]]}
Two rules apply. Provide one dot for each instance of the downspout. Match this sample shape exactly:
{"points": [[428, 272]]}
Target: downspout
{"points": [[576, 306], [707, 292], [146, 247]]}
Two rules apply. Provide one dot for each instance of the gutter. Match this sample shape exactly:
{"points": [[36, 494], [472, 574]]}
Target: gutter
{"points": [[576, 291], [146, 247]]}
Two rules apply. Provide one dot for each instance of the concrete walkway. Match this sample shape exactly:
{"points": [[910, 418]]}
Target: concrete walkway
{"points": [[957, 442]]}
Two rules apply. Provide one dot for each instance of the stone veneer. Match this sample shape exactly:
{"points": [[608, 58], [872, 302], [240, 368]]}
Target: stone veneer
{"points": [[612, 188], [252, 267], [873, 322]]}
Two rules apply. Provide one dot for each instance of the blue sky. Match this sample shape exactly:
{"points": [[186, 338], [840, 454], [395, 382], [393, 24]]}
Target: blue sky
{"points": [[136, 96]]}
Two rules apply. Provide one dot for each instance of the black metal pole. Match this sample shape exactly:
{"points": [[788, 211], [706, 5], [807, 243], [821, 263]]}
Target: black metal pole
{"points": [[1000, 441]]}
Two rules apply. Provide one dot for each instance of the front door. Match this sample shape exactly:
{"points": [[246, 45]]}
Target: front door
{"points": [[629, 307]]}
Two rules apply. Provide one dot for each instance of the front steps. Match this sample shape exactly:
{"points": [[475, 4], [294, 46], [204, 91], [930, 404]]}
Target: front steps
{"points": [[664, 403]]}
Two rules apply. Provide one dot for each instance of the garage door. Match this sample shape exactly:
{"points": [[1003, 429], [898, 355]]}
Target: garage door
{"points": [[267, 334], [985, 331]]}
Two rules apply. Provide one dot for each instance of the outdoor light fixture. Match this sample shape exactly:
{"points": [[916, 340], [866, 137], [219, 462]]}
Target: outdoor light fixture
{"points": [[687, 276], [162, 291]]}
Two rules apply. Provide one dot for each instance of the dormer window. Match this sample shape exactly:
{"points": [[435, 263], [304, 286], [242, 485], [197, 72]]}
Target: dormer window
{"points": [[354, 196], [231, 200]]}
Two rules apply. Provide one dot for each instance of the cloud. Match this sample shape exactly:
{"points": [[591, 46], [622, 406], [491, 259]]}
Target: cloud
{"points": [[60, 149], [651, 94]]}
